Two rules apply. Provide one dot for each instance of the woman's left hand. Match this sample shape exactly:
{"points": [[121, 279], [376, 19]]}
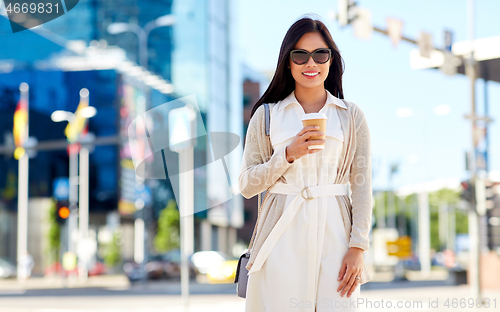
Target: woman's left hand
{"points": [[352, 266]]}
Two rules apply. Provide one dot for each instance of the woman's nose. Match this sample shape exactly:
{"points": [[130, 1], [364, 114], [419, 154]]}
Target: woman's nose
{"points": [[310, 62]]}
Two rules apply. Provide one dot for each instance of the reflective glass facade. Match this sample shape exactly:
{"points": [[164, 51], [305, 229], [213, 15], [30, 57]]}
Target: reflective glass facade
{"points": [[58, 90], [90, 18]]}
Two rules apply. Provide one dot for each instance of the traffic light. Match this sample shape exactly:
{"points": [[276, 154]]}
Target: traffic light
{"points": [[490, 194], [62, 211], [468, 191], [347, 12], [493, 217]]}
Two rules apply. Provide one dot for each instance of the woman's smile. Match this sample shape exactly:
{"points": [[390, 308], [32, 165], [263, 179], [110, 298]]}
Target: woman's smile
{"points": [[311, 74]]}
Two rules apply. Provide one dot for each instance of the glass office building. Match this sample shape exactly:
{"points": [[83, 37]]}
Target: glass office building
{"points": [[205, 63], [89, 19], [197, 55], [110, 92]]}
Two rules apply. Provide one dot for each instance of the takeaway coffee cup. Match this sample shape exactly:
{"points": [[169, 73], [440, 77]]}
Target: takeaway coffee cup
{"points": [[316, 119]]}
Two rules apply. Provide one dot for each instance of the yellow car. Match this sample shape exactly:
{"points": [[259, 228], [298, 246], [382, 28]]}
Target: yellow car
{"points": [[224, 272]]}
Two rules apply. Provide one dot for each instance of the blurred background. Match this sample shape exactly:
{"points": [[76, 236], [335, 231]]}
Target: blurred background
{"points": [[76, 220]]}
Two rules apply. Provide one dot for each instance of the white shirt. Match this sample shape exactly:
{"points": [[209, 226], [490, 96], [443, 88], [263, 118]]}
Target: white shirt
{"points": [[288, 114]]}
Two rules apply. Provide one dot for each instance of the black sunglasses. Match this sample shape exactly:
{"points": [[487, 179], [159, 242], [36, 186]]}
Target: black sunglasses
{"points": [[320, 56]]}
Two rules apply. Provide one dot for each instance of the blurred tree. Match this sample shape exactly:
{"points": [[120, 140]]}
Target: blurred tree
{"points": [[112, 255], [53, 234], [449, 196], [462, 222], [10, 190], [168, 231]]}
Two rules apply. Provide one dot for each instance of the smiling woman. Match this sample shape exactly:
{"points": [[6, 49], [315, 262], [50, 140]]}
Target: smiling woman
{"points": [[308, 36], [310, 237]]}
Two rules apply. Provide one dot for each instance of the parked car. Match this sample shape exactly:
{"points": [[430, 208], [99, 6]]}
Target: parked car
{"points": [[99, 268], [133, 271], [56, 268], [223, 273], [161, 266], [218, 266], [173, 265], [7, 269], [205, 260]]}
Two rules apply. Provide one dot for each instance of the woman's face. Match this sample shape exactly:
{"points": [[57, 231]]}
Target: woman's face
{"points": [[310, 42]]}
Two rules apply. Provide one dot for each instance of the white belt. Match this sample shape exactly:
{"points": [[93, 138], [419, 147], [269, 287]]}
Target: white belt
{"points": [[303, 195]]}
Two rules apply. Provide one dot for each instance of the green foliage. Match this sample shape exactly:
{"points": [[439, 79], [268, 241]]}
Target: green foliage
{"points": [[53, 234], [410, 202], [112, 254], [462, 222], [444, 195], [452, 197], [168, 232], [435, 242]]}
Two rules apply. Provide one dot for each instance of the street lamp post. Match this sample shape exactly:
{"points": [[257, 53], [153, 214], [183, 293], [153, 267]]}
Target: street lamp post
{"points": [[75, 127], [142, 33], [477, 176], [21, 129], [424, 238], [141, 238]]}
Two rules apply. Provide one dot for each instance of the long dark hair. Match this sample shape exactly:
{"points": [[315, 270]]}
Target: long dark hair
{"points": [[283, 83]]}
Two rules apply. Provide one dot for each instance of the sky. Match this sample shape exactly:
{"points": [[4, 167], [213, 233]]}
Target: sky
{"points": [[378, 78]]}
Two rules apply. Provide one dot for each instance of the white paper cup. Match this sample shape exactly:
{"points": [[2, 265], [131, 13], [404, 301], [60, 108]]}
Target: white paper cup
{"points": [[316, 119]]}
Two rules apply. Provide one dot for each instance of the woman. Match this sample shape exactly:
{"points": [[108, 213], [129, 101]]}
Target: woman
{"points": [[310, 239]]}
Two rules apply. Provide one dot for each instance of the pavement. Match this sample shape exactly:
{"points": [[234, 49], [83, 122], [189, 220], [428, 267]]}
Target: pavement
{"points": [[114, 293], [121, 281], [99, 281]]}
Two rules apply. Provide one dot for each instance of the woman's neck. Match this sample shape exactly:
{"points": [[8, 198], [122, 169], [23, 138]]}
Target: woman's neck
{"points": [[311, 99]]}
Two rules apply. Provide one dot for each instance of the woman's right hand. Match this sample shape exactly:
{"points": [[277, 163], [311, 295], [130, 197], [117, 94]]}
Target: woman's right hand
{"points": [[298, 147]]}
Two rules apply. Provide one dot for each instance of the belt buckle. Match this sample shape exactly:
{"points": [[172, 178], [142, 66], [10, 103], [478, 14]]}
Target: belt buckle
{"points": [[308, 193]]}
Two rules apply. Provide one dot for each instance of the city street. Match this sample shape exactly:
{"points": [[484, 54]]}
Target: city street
{"points": [[116, 294], [145, 141]]}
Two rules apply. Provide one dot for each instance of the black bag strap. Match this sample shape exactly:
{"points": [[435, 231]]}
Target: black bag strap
{"points": [[268, 119]]}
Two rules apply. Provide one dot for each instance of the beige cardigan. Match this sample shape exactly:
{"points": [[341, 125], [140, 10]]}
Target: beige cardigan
{"points": [[262, 167]]}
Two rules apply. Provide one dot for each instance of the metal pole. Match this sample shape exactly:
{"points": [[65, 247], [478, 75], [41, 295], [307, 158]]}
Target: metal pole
{"points": [[486, 114], [450, 242], [391, 207], [474, 242], [22, 217], [73, 199], [443, 223], [401, 216], [83, 226], [140, 239], [143, 47], [84, 208], [22, 195], [400, 267], [380, 211], [187, 218], [424, 235]]}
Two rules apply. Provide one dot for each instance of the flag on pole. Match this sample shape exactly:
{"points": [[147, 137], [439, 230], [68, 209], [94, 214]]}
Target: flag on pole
{"points": [[425, 44], [395, 30], [362, 25], [20, 130], [78, 125], [21, 122]]}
